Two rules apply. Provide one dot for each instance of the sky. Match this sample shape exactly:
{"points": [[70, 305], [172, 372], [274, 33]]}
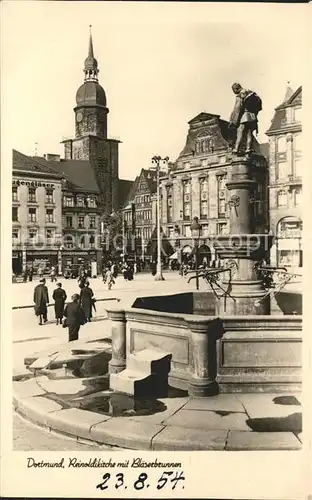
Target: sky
{"points": [[160, 65]]}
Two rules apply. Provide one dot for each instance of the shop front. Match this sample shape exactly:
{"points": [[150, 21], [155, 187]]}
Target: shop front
{"points": [[43, 259], [80, 259]]}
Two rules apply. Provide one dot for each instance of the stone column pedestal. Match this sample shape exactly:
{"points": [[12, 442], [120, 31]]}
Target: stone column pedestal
{"points": [[118, 322], [242, 246], [203, 345]]}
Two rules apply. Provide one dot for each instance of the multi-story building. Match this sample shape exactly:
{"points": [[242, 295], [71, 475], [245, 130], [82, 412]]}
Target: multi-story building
{"points": [[140, 216], [36, 214], [81, 212], [196, 186], [285, 181]]}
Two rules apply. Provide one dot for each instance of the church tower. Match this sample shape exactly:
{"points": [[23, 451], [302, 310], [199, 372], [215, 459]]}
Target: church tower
{"points": [[91, 111], [91, 143]]}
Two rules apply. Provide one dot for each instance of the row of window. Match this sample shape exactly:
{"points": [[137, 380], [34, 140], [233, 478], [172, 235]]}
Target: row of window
{"points": [[286, 199], [81, 222], [33, 234], [221, 228], [284, 169], [32, 195], [33, 215], [281, 143], [142, 199], [140, 232], [79, 201]]}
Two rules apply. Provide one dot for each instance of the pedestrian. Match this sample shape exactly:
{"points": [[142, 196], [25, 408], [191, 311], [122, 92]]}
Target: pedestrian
{"points": [[75, 318], [153, 268], [53, 274], [82, 279], [86, 295], [41, 300], [40, 272], [109, 279], [59, 296]]}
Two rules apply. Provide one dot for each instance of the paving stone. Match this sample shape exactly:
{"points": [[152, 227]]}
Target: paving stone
{"points": [[121, 431], [173, 438], [75, 422], [262, 441], [27, 389], [208, 420], [222, 402], [36, 408], [272, 406], [172, 404], [66, 386]]}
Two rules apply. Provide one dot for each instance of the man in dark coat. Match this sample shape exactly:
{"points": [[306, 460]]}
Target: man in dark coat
{"points": [[86, 301], [41, 299], [59, 296], [75, 317]]}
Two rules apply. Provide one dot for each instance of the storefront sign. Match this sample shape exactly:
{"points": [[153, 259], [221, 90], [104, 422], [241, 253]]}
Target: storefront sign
{"points": [[77, 253], [32, 184], [41, 252]]}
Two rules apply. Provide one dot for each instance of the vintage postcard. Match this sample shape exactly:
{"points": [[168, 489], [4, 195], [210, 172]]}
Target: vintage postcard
{"points": [[154, 257]]}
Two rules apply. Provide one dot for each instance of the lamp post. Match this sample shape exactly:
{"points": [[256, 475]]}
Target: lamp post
{"points": [[195, 229], [156, 160]]}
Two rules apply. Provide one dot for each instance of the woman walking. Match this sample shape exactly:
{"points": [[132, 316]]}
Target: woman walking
{"points": [[75, 317], [59, 296], [86, 301]]}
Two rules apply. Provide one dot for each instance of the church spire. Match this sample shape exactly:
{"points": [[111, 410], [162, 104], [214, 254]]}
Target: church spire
{"points": [[90, 54], [91, 66]]}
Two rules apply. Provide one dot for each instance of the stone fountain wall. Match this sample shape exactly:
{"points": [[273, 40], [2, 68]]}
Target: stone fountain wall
{"points": [[211, 354]]}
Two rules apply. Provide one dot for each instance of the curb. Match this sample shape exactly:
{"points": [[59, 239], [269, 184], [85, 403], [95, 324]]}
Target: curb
{"points": [[51, 305], [129, 434]]}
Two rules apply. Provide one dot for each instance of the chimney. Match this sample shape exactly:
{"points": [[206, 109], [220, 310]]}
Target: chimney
{"points": [[52, 157]]}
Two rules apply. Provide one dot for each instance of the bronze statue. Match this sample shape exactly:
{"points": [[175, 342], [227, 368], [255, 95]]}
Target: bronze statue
{"points": [[244, 119]]}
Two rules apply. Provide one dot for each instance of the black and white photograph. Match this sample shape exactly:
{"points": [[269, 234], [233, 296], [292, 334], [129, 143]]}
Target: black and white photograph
{"points": [[155, 173]]}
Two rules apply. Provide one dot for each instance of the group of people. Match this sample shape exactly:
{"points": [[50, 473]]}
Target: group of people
{"points": [[72, 315]]}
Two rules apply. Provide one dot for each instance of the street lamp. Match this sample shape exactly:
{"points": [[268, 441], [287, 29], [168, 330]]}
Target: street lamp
{"points": [[156, 160], [195, 229]]}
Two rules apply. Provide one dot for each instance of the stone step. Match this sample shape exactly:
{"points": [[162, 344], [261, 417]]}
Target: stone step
{"points": [[129, 382], [150, 361]]}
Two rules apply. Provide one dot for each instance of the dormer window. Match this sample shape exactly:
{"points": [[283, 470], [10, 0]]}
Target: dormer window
{"points": [[297, 115]]}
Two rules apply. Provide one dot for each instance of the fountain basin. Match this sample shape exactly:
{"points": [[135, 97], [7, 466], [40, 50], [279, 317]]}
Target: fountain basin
{"points": [[211, 354]]}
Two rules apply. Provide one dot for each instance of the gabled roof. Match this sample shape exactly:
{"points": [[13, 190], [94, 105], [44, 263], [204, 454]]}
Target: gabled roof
{"points": [[293, 99], [30, 164], [279, 118], [148, 176], [203, 116]]}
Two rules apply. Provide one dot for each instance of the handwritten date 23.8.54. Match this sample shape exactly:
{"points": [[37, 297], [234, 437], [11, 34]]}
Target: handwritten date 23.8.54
{"points": [[168, 478]]}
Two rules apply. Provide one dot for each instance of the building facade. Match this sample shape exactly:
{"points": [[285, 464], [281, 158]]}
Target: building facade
{"points": [[196, 187], [139, 216], [36, 214], [285, 181]]}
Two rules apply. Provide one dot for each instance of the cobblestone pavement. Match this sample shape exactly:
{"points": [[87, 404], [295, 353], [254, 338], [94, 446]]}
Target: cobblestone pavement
{"points": [[27, 436]]}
